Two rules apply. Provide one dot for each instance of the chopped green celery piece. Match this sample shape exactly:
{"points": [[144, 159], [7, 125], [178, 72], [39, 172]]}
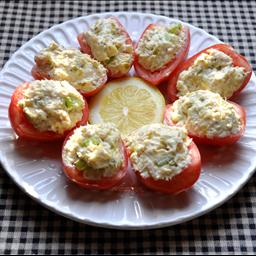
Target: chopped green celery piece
{"points": [[175, 29], [74, 68], [163, 162], [81, 165], [110, 59], [85, 143], [68, 102], [96, 140], [71, 102], [93, 140]]}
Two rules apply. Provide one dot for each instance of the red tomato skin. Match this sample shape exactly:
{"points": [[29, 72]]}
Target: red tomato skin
{"points": [[105, 183], [182, 181], [214, 141], [159, 76], [238, 61], [24, 129], [37, 75], [85, 48]]}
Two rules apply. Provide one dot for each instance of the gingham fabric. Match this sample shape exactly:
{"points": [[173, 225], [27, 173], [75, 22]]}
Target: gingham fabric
{"points": [[29, 228]]}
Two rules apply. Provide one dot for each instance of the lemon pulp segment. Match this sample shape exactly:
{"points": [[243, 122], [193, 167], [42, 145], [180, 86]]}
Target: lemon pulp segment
{"points": [[129, 103]]}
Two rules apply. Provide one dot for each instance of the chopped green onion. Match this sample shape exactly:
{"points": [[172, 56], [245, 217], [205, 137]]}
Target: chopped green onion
{"points": [[93, 140], [74, 68], [163, 162], [175, 29], [85, 143], [69, 103], [81, 165], [110, 59]]}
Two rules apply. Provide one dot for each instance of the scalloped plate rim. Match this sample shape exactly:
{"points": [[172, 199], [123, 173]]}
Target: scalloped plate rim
{"points": [[126, 226]]}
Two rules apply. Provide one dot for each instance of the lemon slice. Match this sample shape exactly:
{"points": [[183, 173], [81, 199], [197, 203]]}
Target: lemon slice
{"points": [[129, 103]]}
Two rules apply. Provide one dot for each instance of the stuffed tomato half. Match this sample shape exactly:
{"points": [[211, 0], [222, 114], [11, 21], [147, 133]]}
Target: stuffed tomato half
{"points": [[94, 156], [46, 110], [217, 68], [160, 50], [208, 118], [108, 42], [164, 158], [55, 62]]}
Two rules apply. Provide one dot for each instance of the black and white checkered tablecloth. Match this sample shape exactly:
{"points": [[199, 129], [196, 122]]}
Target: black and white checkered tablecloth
{"points": [[27, 227]]}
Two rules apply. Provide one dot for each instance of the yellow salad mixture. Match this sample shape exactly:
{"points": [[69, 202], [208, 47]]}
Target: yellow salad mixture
{"points": [[213, 71], [109, 45], [159, 151], [52, 105], [79, 69], [95, 150], [205, 113], [159, 45]]}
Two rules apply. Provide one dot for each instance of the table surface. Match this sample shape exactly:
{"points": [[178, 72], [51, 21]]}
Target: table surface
{"points": [[27, 227]]}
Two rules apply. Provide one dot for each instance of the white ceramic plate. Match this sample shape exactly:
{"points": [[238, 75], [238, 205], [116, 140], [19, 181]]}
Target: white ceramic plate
{"points": [[36, 168]]}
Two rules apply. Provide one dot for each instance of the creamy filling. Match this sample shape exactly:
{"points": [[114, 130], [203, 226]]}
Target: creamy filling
{"points": [[213, 71], [159, 151], [205, 113], [159, 45], [95, 150], [109, 45], [78, 69], [52, 105]]}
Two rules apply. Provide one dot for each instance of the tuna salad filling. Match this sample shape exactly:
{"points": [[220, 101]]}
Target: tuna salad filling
{"points": [[95, 150], [159, 151], [79, 69], [205, 113], [52, 105], [213, 71], [109, 45], [159, 45]]}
